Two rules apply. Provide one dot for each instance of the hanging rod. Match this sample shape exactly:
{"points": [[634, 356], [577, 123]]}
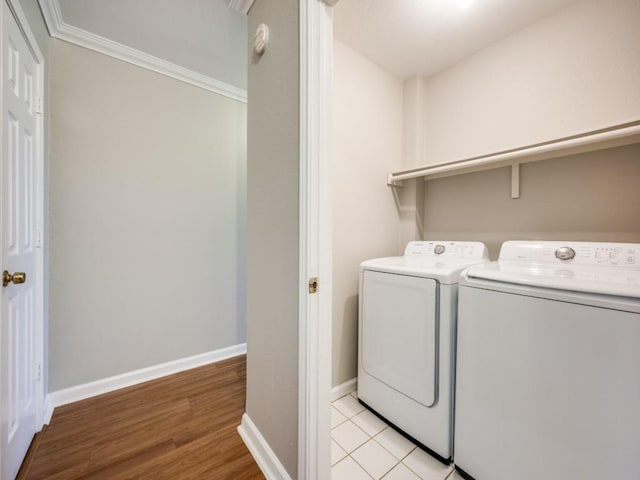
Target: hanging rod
{"points": [[618, 135]]}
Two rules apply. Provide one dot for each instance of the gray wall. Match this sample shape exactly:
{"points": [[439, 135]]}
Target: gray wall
{"points": [[31, 9], [366, 145], [575, 71], [205, 36], [272, 231], [589, 197], [146, 213]]}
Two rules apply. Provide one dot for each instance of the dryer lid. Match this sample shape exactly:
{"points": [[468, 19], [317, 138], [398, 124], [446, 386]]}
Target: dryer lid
{"points": [[602, 268], [440, 260]]}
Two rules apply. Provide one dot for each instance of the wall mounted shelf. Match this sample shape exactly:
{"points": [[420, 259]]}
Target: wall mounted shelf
{"points": [[615, 136]]}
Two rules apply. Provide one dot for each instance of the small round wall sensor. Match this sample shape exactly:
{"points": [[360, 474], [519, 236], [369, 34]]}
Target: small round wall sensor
{"points": [[261, 39]]}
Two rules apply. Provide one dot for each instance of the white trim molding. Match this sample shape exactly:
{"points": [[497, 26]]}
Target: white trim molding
{"points": [[109, 384], [58, 29], [261, 451], [343, 389], [23, 24], [314, 342], [47, 411], [243, 6]]}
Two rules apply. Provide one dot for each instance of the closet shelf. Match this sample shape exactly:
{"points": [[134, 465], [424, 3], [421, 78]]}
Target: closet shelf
{"points": [[615, 136]]}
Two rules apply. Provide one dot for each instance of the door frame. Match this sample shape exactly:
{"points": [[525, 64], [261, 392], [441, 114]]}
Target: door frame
{"points": [[13, 7], [315, 319]]}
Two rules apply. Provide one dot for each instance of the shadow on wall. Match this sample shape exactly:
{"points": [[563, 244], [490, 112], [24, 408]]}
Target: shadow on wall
{"points": [[347, 354], [586, 197]]}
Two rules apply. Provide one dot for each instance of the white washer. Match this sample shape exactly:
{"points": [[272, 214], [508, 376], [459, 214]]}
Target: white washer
{"points": [[548, 365], [407, 338]]}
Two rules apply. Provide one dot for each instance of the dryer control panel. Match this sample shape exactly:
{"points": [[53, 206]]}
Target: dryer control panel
{"points": [[574, 253], [447, 249]]}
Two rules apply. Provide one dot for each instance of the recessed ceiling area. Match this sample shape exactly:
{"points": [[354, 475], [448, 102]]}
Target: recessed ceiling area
{"points": [[409, 37], [204, 36]]}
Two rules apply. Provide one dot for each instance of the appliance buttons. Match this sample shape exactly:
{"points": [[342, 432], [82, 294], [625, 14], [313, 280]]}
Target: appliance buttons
{"points": [[439, 249]]}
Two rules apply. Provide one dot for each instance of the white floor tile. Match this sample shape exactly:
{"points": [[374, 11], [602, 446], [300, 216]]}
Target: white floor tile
{"points": [[354, 394], [336, 418], [399, 446], [348, 406], [337, 453], [455, 476], [368, 422], [349, 436], [400, 472], [374, 459], [427, 467], [348, 469]]}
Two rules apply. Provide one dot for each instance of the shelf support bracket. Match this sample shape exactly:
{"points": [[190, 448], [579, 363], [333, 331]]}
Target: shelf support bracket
{"points": [[515, 180]]}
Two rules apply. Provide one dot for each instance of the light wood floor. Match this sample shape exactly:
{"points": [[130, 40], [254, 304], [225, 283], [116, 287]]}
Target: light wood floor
{"points": [[179, 427]]}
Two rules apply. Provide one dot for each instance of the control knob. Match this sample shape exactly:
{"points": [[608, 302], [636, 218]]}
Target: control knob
{"points": [[565, 253]]}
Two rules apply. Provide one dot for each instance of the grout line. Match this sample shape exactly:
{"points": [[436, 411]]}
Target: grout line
{"points": [[386, 449], [369, 438], [417, 474], [345, 418], [373, 438], [349, 456], [361, 466], [453, 470], [340, 447], [348, 417]]}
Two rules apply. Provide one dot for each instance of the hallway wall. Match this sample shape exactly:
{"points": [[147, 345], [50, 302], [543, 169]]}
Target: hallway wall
{"points": [[273, 230], [147, 188]]}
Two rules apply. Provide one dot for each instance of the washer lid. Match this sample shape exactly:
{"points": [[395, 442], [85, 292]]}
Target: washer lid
{"points": [[604, 268], [443, 261]]}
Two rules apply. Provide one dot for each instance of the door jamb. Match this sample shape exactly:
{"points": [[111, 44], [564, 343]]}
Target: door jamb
{"points": [[314, 356]]}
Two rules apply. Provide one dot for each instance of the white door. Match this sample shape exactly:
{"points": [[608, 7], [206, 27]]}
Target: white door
{"points": [[19, 401]]}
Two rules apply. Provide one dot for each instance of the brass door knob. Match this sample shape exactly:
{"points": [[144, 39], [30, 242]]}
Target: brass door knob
{"points": [[16, 278]]}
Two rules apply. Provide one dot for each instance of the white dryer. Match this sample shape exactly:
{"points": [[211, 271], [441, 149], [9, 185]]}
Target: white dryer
{"points": [[407, 338], [548, 366]]}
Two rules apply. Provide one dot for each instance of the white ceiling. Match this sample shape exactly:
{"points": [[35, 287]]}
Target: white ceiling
{"points": [[205, 36], [408, 37]]}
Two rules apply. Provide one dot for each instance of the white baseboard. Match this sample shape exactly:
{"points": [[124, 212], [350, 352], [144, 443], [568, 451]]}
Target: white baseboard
{"points": [[344, 389], [98, 387], [47, 411], [261, 451]]}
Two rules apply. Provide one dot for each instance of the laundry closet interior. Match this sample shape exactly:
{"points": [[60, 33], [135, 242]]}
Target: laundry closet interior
{"points": [[478, 121]]}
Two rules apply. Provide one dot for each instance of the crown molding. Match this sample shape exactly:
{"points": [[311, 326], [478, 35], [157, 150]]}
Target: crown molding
{"points": [[242, 6], [58, 29]]}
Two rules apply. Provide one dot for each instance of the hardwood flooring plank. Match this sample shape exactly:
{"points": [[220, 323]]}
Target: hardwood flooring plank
{"points": [[115, 468], [179, 427]]}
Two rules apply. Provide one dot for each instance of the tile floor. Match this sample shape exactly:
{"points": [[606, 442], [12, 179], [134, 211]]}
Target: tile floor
{"points": [[363, 447]]}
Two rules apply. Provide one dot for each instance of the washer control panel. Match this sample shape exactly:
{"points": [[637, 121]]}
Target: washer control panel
{"points": [[574, 253], [449, 250]]}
